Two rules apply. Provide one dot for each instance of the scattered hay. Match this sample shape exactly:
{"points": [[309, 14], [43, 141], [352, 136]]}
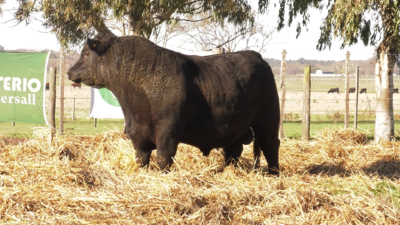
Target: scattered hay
{"points": [[339, 178], [341, 136]]}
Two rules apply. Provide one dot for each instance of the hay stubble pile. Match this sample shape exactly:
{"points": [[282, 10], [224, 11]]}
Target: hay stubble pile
{"points": [[339, 178]]}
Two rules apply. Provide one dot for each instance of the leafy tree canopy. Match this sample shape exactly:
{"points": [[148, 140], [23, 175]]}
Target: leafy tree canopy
{"points": [[72, 21], [374, 22], [369, 21], [1, 2]]}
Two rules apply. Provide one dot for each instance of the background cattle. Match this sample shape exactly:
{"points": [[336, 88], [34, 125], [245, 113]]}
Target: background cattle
{"points": [[74, 85], [395, 90], [333, 90], [363, 90], [352, 90]]}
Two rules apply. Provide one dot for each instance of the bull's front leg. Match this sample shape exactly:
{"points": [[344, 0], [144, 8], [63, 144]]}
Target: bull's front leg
{"points": [[143, 157], [167, 145], [143, 148]]}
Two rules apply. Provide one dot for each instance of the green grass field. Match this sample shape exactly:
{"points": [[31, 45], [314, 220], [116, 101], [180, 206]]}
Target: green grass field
{"points": [[86, 127], [77, 127], [319, 84]]}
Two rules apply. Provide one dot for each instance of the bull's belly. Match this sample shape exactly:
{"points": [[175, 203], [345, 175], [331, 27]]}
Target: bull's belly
{"points": [[213, 137]]}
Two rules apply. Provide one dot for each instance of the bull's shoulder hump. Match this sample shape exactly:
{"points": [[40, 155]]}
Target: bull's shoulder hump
{"points": [[144, 46], [251, 55]]}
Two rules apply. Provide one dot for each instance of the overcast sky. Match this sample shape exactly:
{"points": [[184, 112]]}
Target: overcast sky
{"points": [[35, 37]]}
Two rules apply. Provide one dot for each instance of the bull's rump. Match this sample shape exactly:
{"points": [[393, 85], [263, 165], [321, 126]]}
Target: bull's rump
{"points": [[225, 95]]}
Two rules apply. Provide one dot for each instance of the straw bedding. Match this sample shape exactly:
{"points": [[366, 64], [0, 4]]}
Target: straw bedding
{"points": [[339, 178]]}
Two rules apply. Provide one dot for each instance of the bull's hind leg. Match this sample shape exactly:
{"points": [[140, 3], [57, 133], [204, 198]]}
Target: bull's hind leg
{"points": [[267, 139], [233, 152]]}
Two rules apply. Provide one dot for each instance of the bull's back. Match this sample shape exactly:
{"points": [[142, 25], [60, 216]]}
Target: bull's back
{"points": [[236, 81]]}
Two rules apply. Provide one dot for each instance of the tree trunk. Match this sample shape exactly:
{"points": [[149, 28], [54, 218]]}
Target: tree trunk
{"points": [[384, 123], [386, 56]]}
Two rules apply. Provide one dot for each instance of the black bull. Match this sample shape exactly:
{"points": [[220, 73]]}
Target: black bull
{"points": [[217, 101]]}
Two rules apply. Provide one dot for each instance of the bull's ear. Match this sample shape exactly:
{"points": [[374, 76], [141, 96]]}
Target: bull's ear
{"points": [[100, 46], [95, 45]]}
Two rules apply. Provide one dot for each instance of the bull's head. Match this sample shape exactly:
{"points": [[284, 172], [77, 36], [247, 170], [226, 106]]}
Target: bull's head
{"points": [[87, 69]]}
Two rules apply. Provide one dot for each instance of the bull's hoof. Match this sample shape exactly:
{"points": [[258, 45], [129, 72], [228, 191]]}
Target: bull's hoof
{"points": [[274, 173], [267, 171]]}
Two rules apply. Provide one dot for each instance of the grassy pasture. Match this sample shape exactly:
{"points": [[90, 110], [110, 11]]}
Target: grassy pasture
{"points": [[323, 84], [339, 178], [76, 127], [86, 127]]}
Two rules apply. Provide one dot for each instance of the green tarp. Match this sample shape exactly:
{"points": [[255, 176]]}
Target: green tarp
{"points": [[22, 87]]}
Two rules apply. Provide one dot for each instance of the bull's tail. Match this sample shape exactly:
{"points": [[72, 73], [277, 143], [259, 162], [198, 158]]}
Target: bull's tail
{"points": [[256, 152]]}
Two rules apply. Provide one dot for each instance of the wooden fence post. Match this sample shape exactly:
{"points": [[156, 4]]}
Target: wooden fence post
{"points": [[62, 71], [305, 127], [346, 87], [283, 96], [73, 111], [52, 112], [356, 110]]}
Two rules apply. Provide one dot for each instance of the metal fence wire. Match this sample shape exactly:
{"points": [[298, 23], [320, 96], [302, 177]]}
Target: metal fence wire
{"points": [[324, 106]]}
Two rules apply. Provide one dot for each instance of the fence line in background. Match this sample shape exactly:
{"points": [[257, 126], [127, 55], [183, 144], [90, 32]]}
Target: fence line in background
{"points": [[305, 130], [284, 101], [283, 95], [356, 90], [52, 112], [73, 111], [346, 89], [62, 73]]}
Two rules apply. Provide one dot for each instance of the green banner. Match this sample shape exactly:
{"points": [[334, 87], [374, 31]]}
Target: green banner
{"points": [[22, 87], [109, 97]]}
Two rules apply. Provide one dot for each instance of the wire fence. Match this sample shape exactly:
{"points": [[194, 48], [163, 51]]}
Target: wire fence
{"points": [[324, 106], [328, 85]]}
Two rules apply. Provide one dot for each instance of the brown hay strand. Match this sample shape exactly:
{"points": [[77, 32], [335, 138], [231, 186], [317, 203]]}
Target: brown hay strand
{"points": [[338, 178]]}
